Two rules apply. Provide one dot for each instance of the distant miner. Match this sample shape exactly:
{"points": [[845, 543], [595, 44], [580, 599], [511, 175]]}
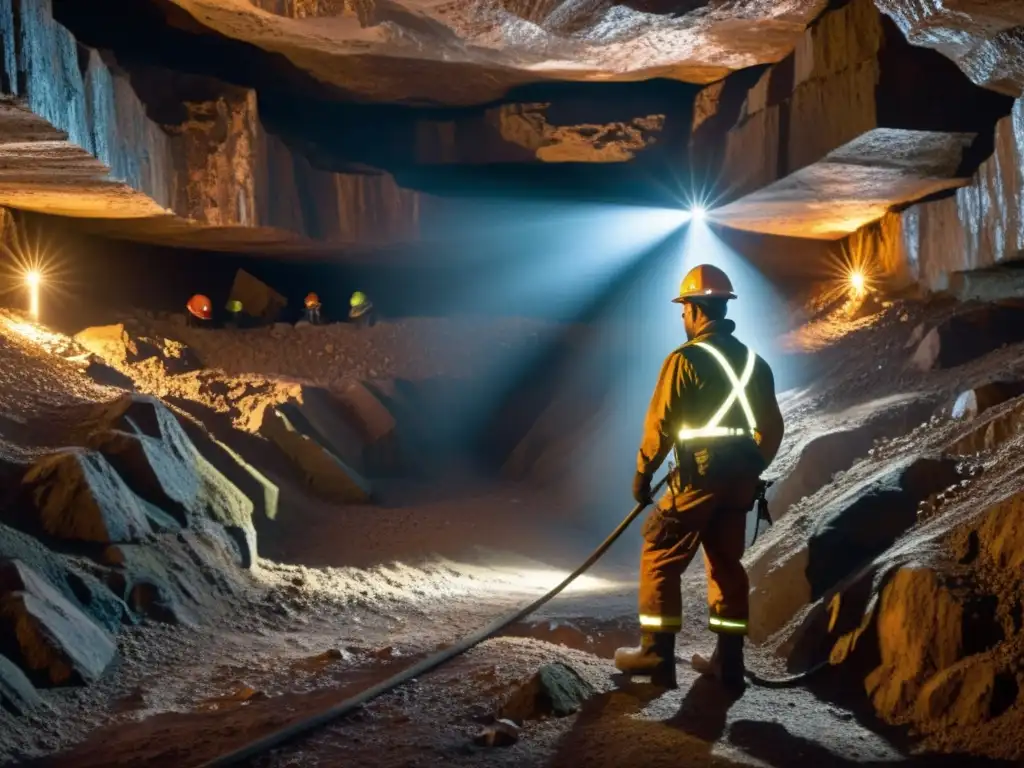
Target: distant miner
{"points": [[360, 311], [312, 304], [715, 407], [234, 316], [200, 311]]}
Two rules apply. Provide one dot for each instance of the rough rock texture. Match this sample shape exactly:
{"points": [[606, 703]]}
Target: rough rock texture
{"points": [[115, 345], [471, 52], [77, 496], [76, 140], [853, 121], [971, 403], [176, 579], [51, 639], [969, 335], [75, 585], [17, 694], [324, 472], [555, 691], [980, 226], [847, 535], [982, 36]]}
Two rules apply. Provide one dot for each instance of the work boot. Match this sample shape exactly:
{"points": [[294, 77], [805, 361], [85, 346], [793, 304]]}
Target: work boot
{"points": [[655, 658], [725, 664]]}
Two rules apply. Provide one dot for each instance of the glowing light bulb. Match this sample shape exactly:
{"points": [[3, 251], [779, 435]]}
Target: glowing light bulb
{"points": [[32, 280], [857, 282], [698, 212]]}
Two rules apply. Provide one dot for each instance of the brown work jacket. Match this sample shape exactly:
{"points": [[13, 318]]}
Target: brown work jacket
{"points": [[691, 388]]}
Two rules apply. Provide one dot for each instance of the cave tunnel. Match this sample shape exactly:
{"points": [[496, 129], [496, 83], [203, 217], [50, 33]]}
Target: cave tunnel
{"points": [[221, 522]]}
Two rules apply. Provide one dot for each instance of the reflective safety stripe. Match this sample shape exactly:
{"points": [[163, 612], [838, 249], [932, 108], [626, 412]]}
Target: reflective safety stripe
{"points": [[727, 626], [739, 384], [669, 623]]}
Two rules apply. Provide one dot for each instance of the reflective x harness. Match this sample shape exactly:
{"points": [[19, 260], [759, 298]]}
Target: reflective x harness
{"points": [[739, 384]]}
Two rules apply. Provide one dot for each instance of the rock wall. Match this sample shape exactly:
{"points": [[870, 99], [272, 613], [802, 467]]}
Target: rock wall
{"points": [[981, 225], [210, 162]]}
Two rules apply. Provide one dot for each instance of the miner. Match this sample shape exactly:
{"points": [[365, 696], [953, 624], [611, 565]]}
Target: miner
{"points": [[715, 408], [361, 311]]}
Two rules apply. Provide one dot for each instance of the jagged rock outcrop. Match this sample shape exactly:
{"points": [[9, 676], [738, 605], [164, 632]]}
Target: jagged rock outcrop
{"points": [[322, 471], [848, 534], [147, 446], [854, 121], [470, 52], [74, 584], [966, 336], [79, 141], [982, 36], [116, 345], [51, 639], [77, 496], [17, 694]]}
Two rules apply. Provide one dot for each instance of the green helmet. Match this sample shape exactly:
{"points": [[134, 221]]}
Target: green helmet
{"points": [[357, 300], [234, 306]]}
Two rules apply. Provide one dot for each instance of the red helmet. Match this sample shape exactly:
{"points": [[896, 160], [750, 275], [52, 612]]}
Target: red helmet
{"points": [[312, 300], [705, 282], [200, 306]]}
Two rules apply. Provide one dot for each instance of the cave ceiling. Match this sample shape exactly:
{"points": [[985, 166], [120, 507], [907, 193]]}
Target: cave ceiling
{"points": [[296, 124]]}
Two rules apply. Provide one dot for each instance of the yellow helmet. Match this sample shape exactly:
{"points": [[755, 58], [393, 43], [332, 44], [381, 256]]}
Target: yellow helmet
{"points": [[358, 299], [704, 282]]}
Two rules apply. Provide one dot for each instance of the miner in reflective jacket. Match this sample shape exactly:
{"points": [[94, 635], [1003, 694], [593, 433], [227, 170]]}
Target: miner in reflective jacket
{"points": [[714, 407]]}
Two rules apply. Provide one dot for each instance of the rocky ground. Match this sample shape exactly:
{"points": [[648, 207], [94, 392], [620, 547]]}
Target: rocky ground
{"points": [[897, 557]]}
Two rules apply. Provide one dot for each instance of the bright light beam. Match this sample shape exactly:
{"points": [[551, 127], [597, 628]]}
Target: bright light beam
{"points": [[857, 283], [698, 213], [32, 280]]}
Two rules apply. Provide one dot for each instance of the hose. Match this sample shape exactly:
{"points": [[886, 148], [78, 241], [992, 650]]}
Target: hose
{"points": [[275, 739], [265, 744]]}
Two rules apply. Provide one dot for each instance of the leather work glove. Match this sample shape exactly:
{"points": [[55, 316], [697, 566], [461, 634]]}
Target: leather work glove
{"points": [[642, 488]]}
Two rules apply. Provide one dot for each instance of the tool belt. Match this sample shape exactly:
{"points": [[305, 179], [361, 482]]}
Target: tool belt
{"points": [[713, 461]]}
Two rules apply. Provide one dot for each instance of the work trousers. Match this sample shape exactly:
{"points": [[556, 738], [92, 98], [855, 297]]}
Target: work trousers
{"points": [[712, 515]]}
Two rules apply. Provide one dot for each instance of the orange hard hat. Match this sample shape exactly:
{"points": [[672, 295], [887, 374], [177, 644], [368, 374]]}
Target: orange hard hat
{"points": [[312, 299], [704, 282], [200, 306]]}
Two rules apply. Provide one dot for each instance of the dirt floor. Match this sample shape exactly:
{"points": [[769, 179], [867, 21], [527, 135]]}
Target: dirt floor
{"points": [[344, 596]]}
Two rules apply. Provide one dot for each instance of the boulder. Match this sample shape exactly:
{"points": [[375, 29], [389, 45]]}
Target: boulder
{"points": [[177, 580], [925, 624], [325, 414], [996, 536], [556, 690], [848, 532], [969, 335], [990, 430], [972, 402], [324, 472], [17, 694], [250, 481], [382, 453], [76, 495], [854, 533], [837, 450], [966, 694], [46, 634], [115, 345], [80, 588], [160, 464], [258, 299]]}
